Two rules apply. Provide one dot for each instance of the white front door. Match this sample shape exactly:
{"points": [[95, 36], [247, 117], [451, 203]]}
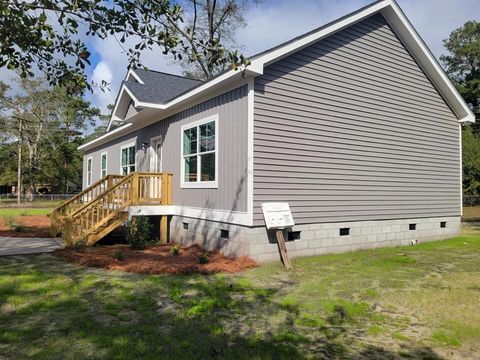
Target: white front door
{"points": [[156, 155]]}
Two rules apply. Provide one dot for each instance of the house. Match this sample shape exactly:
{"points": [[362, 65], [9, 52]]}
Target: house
{"points": [[354, 124]]}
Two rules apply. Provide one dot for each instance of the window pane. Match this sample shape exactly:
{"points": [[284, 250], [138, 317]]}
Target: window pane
{"points": [[190, 169], [124, 170], [104, 161], [190, 141], [207, 171], [124, 156], [131, 155], [207, 137], [89, 165]]}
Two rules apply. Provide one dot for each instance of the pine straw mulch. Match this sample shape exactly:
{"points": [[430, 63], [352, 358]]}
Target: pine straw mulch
{"points": [[31, 226], [155, 260]]}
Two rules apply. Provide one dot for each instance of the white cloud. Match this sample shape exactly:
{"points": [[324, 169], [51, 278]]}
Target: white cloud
{"points": [[275, 21], [103, 97]]}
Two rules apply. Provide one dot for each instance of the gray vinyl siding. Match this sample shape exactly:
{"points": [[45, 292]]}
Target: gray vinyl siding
{"points": [[351, 129], [231, 194]]}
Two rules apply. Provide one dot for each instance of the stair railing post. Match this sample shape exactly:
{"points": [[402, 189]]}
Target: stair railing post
{"points": [[68, 233], [53, 225], [166, 199], [135, 188], [109, 181]]}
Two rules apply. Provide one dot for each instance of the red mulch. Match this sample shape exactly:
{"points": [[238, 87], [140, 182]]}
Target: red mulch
{"points": [[155, 260], [33, 226]]}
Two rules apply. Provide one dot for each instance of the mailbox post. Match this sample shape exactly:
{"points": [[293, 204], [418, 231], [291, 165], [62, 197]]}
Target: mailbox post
{"points": [[278, 217]]}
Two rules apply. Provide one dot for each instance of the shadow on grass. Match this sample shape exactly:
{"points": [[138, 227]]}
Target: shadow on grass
{"points": [[54, 310]]}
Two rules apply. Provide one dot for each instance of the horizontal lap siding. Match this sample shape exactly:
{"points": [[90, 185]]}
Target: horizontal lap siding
{"points": [[231, 194], [350, 129]]}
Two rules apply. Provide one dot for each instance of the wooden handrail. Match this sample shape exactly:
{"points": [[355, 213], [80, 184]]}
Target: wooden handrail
{"points": [[91, 192], [134, 189], [89, 204]]}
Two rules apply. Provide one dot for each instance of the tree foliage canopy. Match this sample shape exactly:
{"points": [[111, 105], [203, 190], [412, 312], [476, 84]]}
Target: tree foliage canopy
{"points": [[50, 34], [46, 124], [463, 62]]}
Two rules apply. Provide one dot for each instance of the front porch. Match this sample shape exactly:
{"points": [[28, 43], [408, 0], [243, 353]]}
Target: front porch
{"points": [[105, 205]]}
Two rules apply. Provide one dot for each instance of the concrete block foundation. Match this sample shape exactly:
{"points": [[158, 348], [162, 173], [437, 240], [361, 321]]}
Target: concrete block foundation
{"points": [[315, 239]]}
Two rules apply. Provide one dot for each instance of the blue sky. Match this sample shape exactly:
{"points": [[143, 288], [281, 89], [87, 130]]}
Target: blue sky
{"points": [[274, 21]]}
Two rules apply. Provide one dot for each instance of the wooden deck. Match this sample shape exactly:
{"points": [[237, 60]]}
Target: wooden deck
{"points": [[102, 207]]}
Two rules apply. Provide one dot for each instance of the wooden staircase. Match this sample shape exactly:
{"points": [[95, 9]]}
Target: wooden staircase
{"points": [[102, 207]]}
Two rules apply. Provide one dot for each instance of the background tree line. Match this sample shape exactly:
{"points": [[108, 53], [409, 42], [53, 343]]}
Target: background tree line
{"points": [[462, 63], [43, 124]]}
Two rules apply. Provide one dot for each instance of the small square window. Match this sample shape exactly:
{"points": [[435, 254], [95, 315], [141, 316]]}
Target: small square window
{"points": [[412, 227], [443, 224], [344, 231], [185, 226], [293, 235], [224, 234]]}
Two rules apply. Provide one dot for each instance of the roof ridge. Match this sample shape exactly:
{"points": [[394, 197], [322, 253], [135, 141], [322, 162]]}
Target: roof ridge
{"points": [[165, 73]]}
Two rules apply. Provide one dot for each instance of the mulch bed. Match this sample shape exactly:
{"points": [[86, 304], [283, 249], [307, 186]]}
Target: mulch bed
{"points": [[32, 226], [155, 260]]}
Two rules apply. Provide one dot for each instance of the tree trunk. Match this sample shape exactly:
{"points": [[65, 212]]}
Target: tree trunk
{"points": [[19, 164], [31, 187]]}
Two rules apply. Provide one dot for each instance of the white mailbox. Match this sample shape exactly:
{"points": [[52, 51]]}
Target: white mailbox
{"points": [[277, 215]]}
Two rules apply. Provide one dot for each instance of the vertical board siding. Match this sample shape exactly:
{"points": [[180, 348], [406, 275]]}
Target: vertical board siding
{"points": [[351, 129], [231, 194]]}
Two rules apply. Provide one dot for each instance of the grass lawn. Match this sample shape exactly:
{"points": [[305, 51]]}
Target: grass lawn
{"points": [[409, 302], [24, 211]]}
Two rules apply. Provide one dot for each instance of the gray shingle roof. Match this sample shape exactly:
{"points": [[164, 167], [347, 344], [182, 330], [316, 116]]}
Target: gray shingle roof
{"points": [[159, 87]]}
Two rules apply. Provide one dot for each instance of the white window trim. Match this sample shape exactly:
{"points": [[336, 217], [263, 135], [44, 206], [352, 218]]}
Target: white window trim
{"points": [[199, 184], [152, 153], [106, 164], [124, 147], [89, 180]]}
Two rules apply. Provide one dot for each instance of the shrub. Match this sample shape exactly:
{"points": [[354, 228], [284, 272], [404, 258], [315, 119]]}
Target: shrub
{"points": [[203, 259], [139, 231], [19, 228], [118, 254], [175, 250]]}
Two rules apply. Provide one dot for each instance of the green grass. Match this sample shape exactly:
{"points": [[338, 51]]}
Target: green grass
{"points": [[24, 211], [412, 302]]}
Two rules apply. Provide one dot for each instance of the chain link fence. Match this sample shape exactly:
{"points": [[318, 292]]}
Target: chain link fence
{"points": [[6, 199]]}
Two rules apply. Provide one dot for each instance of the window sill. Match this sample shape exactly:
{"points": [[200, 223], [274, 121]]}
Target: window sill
{"points": [[199, 185]]}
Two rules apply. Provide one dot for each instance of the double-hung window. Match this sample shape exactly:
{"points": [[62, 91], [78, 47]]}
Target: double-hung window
{"points": [[89, 172], [127, 159], [199, 154], [104, 164]]}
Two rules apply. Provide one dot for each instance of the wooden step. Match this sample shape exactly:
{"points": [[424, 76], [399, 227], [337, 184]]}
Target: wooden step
{"points": [[104, 230]]}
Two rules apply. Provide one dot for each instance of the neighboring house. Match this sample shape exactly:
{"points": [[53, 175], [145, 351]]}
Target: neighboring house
{"points": [[354, 124]]}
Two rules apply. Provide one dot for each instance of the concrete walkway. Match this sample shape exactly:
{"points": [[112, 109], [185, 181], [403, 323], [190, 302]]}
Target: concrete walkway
{"points": [[21, 246]]}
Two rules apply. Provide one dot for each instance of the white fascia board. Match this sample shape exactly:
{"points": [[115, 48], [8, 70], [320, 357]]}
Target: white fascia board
{"points": [[229, 75], [135, 75], [290, 48], [405, 31], [119, 96], [104, 136]]}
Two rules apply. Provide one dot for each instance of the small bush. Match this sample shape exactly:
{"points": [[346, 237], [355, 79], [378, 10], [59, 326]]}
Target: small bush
{"points": [[119, 255], [203, 259], [175, 250], [139, 231], [19, 228]]}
